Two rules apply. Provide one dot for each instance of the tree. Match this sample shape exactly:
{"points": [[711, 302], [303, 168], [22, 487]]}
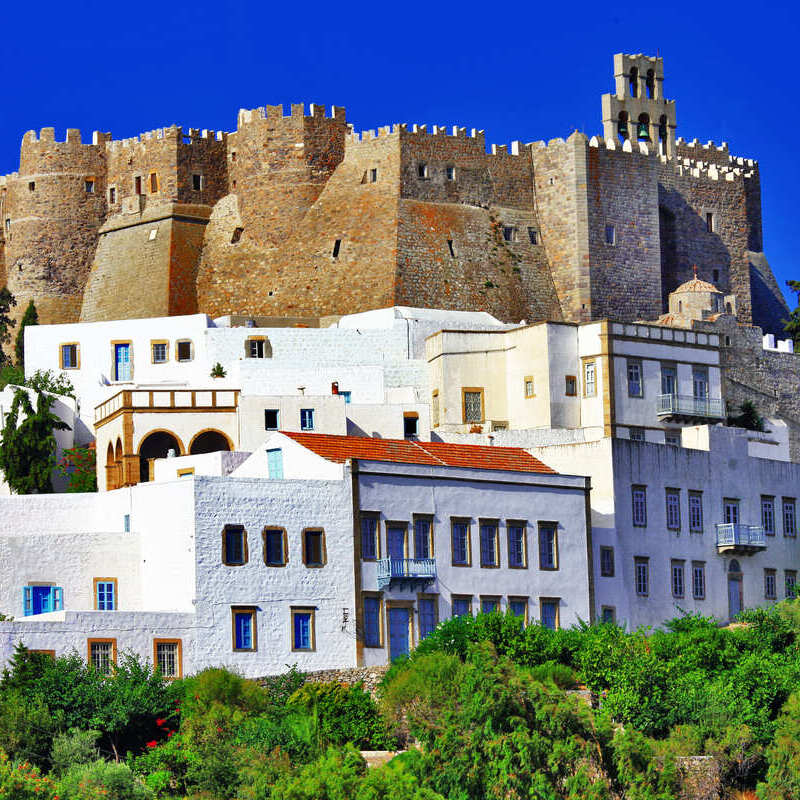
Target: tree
{"points": [[79, 464], [748, 418], [28, 448], [783, 756], [7, 302], [30, 317], [792, 325]]}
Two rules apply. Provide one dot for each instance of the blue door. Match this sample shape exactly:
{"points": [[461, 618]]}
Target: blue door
{"points": [[398, 632], [42, 599], [122, 362], [396, 542]]}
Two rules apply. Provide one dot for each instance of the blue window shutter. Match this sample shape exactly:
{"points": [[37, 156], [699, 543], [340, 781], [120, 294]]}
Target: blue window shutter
{"points": [[58, 598], [275, 463], [27, 601]]}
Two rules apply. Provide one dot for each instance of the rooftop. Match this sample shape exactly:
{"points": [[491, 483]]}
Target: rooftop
{"points": [[341, 448]]}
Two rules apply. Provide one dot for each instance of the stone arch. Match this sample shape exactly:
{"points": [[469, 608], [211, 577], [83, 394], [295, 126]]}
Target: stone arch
{"points": [[119, 469], [643, 128], [734, 566], [650, 84], [633, 82], [156, 444], [111, 469], [622, 126], [209, 440]]}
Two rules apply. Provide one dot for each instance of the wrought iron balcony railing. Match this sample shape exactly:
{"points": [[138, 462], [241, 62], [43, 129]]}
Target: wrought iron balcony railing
{"points": [[422, 570], [681, 405], [745, 538]]}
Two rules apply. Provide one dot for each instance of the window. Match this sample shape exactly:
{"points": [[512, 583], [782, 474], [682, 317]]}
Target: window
{"points": [[435, 409], [460, 543], [517, 545], [571, 385], [696, 512], [256, 347], [676, 573], [306, 419], [533, 236], [185, 473], [789, 517], [372, 621], [8, 225], [790, 577], [611, 234], [674, 509], [168, 657], [489, 605], [271, 419], [509, 233], [158, 352], [373, 175], [700, 382], [41, 599], [303, 629], [236, 236], [197, 182], [635, 379], [370, 549], [451, 173], [89, 185], [112, 195], [337, 246], [462, 605], [768, 514], [314, 554], [472, 405], [528, 383], [105, 594], [234, 545], [549, 613], [607, 562], [698, 580], [275, 547], [153, 182], [672, 439], [32, 186], [639, 501], [423, 537], [410, 425], [709, 222], [275, 463], [590, 379], [636, 434], [243, 620], [126, 523], [489, 544], [137, 184], [716, 277], [730, 509], [608, 615], [183, 350], [770, 584], [450, 248], [422, 170], [69, 356], [103, 655], [428, 615], [548, 546], [642, 576]]}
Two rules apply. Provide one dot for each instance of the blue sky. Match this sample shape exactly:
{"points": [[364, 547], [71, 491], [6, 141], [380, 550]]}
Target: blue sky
{"points": [[530, 71]]}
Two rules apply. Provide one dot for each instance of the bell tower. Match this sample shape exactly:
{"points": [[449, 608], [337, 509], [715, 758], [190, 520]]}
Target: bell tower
{"points": [[638, 111]]}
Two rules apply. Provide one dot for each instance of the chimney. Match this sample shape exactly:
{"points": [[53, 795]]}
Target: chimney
{"points": [[335, 387]]}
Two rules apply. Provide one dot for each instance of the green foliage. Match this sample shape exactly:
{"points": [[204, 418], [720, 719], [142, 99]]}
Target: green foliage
{"points": [[47, 381], [27, 728], [747, 418], [30, 317], [102, 780], [23, 781], [792, 325], [72, 748], [11, 374], [27, 449], [7, 302], [79, 464], [218, 371], [782, 780]]}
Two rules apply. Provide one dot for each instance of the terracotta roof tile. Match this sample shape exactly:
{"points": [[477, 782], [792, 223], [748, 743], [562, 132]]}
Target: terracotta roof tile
{"points": [[341, 448]]}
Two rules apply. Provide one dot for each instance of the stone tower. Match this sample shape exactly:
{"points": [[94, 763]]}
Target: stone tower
{"points": [[638, 111]]}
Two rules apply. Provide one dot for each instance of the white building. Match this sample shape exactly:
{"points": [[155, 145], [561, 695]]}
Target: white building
{"points": [[324, 551]]}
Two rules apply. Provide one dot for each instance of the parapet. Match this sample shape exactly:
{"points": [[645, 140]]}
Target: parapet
{"points": [[297, 111], [194, 136], [47, 136]]}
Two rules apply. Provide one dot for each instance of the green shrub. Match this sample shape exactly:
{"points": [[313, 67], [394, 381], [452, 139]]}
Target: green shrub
{"points": [[73, 748], [219, 685], [782, 781], [23, 781], [27, 728], [102, 780], [562, 676]]}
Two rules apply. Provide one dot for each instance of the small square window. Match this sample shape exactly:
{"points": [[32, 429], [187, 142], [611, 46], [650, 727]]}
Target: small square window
{"points": [[672, 439], [410, 426], [271, 419], [32, 186], [303, 629], [451, 173], [234, 545], [461, 605], [472, 405], [607, 562], [533, 235], [103, 655], [528, 386], [184, 350], [373, 175], [105, 594], [518, 606], [167, 657], [197, 182], [489, 605], [69, 356], [509, 233], [608, 615], [112, 194], [89, 185], [244, 628], [611, 234], [422, 170], [314, 547], [274, 547], [571, 386], [256, 348], [636, 434], [306, 419], [159, 352]]}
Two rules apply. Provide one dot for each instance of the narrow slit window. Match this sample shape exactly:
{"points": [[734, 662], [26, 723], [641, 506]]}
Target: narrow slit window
{"points": [[450, 248], [373, 175], [337, 246], [197, 182]]}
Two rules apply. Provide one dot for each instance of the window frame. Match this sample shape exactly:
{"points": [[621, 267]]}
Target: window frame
{"points": [[491, 598], [153, 182], [610, 235], [375, 517], [407, 416], [102, 640], [178, 657], [114, 595], [77, 347], [199, 181], [613, 610], [381, 621], [277, 419], [245, 550], [284, 545], [256, 340], [472, 390], [467, 523], [434, 598], [495, 524], [589, 365], [542, 602], [251, 611], [637, 363], [695, 494], [465, 597], [159, 342], [178, 359], [574, 385], [642, 520], [311, 611], [422, 170], [523, 525], [605, 549], [435, 409], [672, 508], [768, 502], [787, 574], [731, 503], [519, 599], [677, 568], [429, 518], [304, 426], [541, 526], [770, 573], [527, 382], [641, 561], [323, 547], [789, 503], [698, 568]]}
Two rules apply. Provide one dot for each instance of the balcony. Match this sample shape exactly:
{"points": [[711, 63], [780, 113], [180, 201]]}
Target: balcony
{"points": [[409, 572], [685, 408], [740, 539]]}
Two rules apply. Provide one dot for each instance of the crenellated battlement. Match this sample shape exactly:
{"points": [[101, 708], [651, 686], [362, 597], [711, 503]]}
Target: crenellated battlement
{"points": [[47, 136], [194, 136], [248, 116], [403, 128]]}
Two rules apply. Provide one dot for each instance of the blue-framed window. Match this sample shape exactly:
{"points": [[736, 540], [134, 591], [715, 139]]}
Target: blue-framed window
{"points": [[490, 604], [275, 463], [548, 547], [489, 545], [550, 614], [423, 538], [234, 545], [105, 595], [306, 419], [462, 606], [369, 538], [518, 606], [244, 628], [461, 543], [274, 550], [41, 599], [427, 616], [372, 621], [516, 546], [302, 629]]}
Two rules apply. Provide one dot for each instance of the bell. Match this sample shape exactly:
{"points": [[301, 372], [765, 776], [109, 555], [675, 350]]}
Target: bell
{"points": [[622, 128], [642, 131]]}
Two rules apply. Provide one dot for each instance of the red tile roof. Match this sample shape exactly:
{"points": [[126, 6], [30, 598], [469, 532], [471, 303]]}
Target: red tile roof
{"points": [[340, 448]]}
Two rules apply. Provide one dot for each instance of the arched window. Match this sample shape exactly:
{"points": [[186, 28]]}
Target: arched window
{"points": [[728, 308], [662, 128], [622, 126], [633, 82], [650, 84], [156, 445], [209, 442], [643, 128], [734, 566]]}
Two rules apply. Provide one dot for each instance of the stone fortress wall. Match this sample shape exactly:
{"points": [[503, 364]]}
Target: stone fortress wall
{"points": [[295, 213]]}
